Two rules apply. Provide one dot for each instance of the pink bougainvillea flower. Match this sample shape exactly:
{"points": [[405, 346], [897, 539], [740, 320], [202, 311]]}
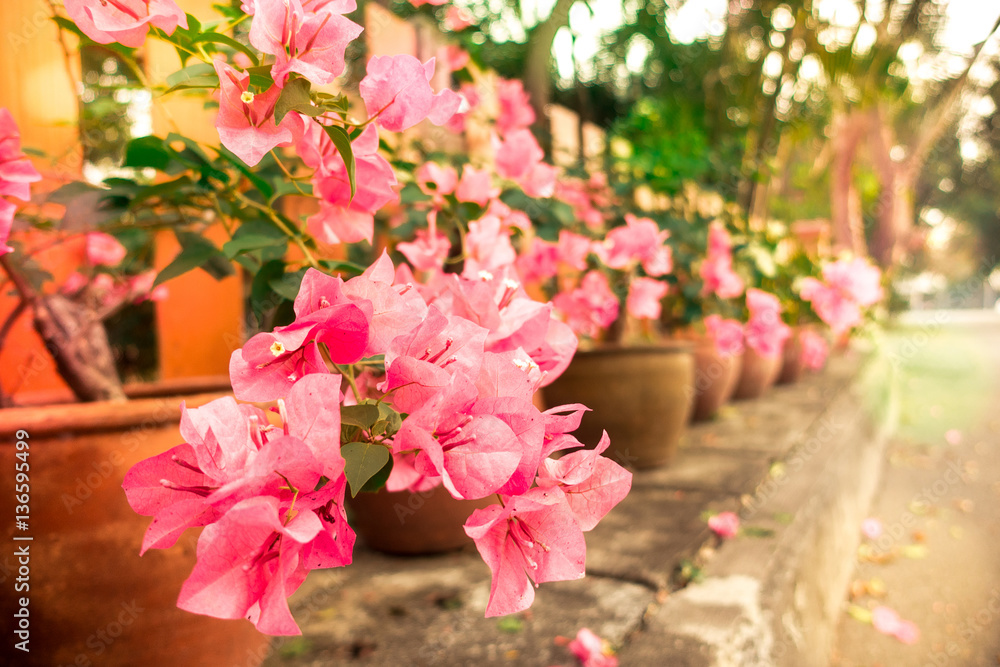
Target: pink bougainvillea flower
{"points": [[487, 247], [104, 250], [517, 154], [593, 484], [644, 296], [907, 632], [887, 621], [470, 100], [515, 107], [814, 349], [6, 222], [531, 538], [538, 260], [454, 57], [857, 278], [374, 177], [727, 334], [246, 120], [591, 650], [640, 241], [249, 562], [311, 43], [16, 170], [573, 249], [474, 454], [590, 308], [871, 528], [717, 268], [457, 18], [846, 288], [334, 224], [443, 178], [428, 251], [475, 186], [765, 333], [725, 524], [397, 91], [953, 436], [540, 181], [269, 363], [124, 21]]}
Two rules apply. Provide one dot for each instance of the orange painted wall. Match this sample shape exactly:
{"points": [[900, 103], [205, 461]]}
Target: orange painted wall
{"points": [[201, 320]]}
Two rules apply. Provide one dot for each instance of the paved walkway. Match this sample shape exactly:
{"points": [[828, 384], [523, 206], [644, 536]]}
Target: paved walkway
{"points": [[937, 561]]}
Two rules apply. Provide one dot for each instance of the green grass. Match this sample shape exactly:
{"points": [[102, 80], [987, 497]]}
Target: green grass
{"points": [[928, 381]]}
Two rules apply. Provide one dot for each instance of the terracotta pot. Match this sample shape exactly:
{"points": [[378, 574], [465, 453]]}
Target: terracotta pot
{"points": [[759, 374], [426, 522], [792, 362], [92, 599], [715, 378], [642, 396]]}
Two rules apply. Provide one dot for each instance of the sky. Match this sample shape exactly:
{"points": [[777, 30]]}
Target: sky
{"points": [[969, 22]]}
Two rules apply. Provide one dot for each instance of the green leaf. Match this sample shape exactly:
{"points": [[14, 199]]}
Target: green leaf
{"points": [[295, 97], [342, 266], [196, 252], [218, 38], [391, 419], [342, 141], [510, 624], [262, 297], [362, 461], [860, 613], [65, 194], [148, 151], [260, 76], [363, 415], [287, 285], [158, 190], [248, 242], [378, 480], [187, 77]]}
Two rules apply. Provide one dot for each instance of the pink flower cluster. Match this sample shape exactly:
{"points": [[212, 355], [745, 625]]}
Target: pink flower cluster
{"points": [[462, 359], [764, 332], [591, 650], [814, 349], [847, 287], [727, 334], [887, 621], [717, 267], [16, 174]]}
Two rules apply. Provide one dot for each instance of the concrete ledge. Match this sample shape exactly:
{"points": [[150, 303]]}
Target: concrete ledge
{"points": [[777, 600], [763, 600]]}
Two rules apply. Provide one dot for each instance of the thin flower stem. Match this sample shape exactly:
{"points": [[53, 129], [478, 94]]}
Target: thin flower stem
{"points": [[280, 224], [287, 173]]}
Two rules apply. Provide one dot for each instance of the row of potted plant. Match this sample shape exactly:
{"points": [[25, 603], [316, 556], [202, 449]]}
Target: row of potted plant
{"points": [[378, 372]]}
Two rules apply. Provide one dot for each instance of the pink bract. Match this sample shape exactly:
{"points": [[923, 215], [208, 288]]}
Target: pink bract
{"points": [[532, 538], [725, 524], [515, 108], [310, 43], [104, 250], [246, 120], [591, 650], [16, 170], [644, 296], [124, 21], [398, 94], [727, 334]]}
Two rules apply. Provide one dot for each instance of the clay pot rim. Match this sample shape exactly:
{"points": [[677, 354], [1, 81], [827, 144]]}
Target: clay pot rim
{"points": [[156, 404], [662, 347]]}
